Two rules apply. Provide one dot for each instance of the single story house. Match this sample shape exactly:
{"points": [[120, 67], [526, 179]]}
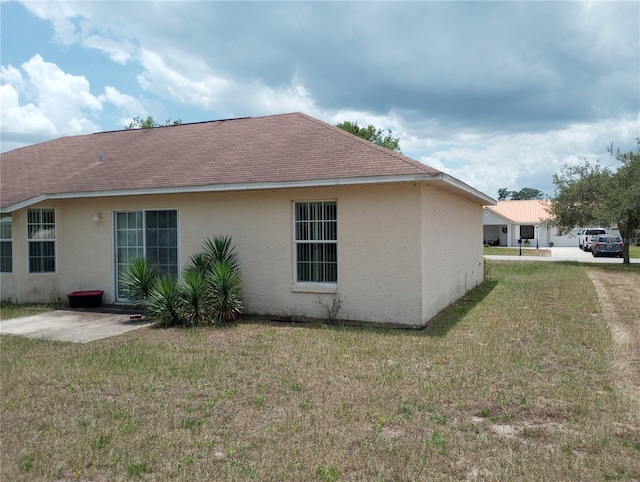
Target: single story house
{"points": [[314, 212], [507, 221]]}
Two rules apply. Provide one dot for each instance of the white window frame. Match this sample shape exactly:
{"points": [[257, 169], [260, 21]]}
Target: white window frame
{"points": [[7, 226], [322, 233], [144, 246], [38, 234]]}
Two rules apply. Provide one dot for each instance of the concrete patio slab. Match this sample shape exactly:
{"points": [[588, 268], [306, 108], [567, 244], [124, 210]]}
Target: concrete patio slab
{"points": [[77, 326]]}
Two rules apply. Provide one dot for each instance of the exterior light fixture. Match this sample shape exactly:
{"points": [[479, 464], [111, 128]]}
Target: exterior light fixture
{"points": [[97, 217]]}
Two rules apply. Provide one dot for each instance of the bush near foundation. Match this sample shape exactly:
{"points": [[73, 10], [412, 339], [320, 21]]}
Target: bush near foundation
{"points": [[209, 291]]}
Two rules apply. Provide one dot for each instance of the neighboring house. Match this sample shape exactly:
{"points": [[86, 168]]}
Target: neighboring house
{"points": [[315, 212], [508, 221]]}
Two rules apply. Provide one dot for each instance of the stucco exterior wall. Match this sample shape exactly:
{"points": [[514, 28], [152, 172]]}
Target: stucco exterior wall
{"points": [[379, 248], [451, 251]]}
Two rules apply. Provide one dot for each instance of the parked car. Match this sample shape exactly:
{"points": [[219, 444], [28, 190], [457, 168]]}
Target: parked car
{"points": [[607, 244], [585, 237]]}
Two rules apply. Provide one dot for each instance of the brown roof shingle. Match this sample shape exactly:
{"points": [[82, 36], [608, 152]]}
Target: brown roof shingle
{"points": [[273, 149]]}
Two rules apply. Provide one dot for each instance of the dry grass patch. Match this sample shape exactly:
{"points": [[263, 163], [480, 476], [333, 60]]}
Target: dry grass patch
{"points": [[619, 297], [511, 383]]}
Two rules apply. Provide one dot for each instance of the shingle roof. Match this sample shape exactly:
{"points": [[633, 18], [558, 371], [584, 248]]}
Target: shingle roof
{"points": [[248, 151], [530, 211]]}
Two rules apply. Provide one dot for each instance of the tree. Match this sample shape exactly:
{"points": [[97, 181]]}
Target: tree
{"points": [[373, 134], [503, 194], [589, 194], [523, 194], [527, 193], [149, 123]]}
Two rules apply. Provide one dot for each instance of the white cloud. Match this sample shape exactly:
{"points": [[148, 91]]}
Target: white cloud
{"points": [[11, 75], [45, 102], [125, 102], [119, 52], [192, 86], [490, 162], [60, 15], [54, 86], [292, 98], [20, 119], [192, 83]]}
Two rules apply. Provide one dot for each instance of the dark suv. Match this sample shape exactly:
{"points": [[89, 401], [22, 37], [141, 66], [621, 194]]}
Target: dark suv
{"points": [[607, 244]]}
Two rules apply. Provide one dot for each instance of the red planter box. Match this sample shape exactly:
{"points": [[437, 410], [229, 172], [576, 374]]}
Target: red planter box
{"points": [[85, 299]]}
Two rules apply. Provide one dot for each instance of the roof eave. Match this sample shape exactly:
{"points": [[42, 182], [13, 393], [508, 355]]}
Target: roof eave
{"points": [[463, 189], [500, 215], [452, 184]]}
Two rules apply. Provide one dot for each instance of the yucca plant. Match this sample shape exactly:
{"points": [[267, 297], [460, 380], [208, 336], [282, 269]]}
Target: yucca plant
{"points": [[139, 280], [193, 291], [210, 288], [164, 302], [198, 262], [220, 249], [224, 292]]}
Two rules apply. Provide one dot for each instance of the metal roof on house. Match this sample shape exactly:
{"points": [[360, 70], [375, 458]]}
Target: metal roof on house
{"points": [[519, 212], [287, 150]]}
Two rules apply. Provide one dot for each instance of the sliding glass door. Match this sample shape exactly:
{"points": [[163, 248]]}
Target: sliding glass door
{"points": [[150, 234]]}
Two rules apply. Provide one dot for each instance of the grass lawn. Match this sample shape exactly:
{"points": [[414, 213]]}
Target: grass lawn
{"points": [[491, 250], [634, 251], [12, 310], [512, 383]]}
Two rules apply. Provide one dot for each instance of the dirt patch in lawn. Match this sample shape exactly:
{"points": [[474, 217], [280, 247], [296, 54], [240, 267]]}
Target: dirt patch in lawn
{"points": [[619, 295]]}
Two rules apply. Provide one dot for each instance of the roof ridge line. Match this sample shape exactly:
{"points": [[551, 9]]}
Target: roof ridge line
{"points": [[401, 157], [172, 125]]}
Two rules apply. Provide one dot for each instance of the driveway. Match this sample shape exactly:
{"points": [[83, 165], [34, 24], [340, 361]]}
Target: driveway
{"points": [[562, 254], [73, 325]]}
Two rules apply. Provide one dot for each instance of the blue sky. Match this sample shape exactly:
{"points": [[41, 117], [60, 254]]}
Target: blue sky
{"points": [[497, 94]]}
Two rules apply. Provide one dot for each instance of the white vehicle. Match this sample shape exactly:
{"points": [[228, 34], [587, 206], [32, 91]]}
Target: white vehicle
{"points": [[585, 237]]}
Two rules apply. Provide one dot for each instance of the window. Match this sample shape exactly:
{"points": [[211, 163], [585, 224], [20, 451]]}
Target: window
{"points": [[316, 242], [6, 244], [150, 234], [41, 236], [526, 232]]}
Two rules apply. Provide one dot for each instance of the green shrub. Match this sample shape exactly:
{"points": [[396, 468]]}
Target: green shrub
{"points": [[198, 263], [210, 289], [215, 250], [164, 302], [224, 292], [139, 280], [193, 291]]}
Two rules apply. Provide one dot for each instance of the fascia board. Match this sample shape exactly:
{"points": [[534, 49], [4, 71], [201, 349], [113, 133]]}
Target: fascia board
{"points": [[468, 190], [459, 186]]}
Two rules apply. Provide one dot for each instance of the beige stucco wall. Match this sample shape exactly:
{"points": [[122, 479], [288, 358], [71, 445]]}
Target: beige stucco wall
{"points": [[452, 260], [404, 250]]}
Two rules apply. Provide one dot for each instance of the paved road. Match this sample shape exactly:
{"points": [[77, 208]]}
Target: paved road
{"points": [[562, 254], [72, 325]]}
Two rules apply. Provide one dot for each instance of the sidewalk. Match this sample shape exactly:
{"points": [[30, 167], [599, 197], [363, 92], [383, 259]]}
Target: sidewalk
{"points": [[562, 254]]}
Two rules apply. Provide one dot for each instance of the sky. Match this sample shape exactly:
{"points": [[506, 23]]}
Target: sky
{"points": [[496, 94]]}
